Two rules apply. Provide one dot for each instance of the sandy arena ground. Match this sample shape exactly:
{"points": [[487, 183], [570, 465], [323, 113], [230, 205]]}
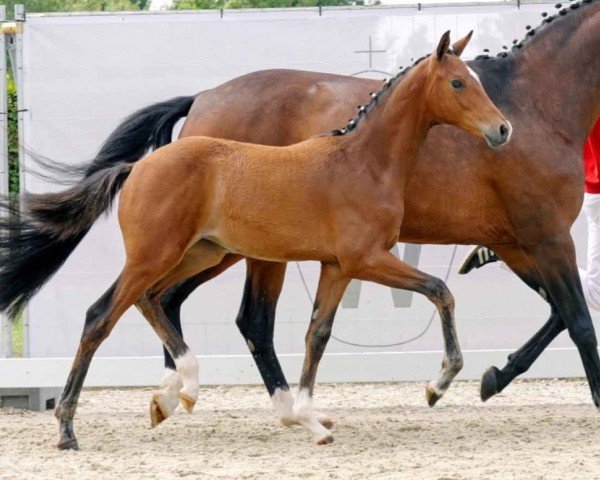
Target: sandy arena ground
{"points": [[535, 430]]}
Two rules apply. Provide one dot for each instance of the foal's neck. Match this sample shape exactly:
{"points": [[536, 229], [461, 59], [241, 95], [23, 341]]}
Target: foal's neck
{"points": [[387, 142]]}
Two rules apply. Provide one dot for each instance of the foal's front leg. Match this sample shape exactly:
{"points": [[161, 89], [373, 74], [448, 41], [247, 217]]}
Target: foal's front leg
{"points": [[380, 266], [332, 285]]}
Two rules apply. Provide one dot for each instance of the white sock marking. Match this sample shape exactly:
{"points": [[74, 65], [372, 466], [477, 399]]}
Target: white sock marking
{"points": [[168, 395], [283, 402], [187, 367], [306, 416]]}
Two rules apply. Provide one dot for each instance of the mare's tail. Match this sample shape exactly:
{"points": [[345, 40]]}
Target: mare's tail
{"points": [[148, 128]]}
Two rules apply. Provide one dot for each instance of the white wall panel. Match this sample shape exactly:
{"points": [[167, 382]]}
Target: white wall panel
{"points": [[84, 73]]}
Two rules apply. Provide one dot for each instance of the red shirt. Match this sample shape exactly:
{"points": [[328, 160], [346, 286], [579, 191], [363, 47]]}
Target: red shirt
{"points": [[591, 155]]}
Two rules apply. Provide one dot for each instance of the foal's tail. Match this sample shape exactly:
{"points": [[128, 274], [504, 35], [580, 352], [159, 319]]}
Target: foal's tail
{"points": [[36, 242]]}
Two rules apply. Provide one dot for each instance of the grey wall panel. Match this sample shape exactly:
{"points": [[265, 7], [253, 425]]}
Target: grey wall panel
{"points": [[84, 74]]}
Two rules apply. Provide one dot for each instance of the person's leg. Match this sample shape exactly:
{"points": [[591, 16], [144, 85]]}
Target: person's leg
{"points": [[477, 258], [590, 277]]}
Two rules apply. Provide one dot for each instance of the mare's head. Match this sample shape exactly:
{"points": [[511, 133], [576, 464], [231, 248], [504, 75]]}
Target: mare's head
{"points": [[455, 96]]}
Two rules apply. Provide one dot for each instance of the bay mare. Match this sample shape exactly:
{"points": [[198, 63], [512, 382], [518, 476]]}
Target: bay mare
{"points": [[337, 199], [522, 200]]}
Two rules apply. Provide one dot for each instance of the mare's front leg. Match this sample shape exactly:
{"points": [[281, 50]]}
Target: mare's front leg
{"points": [[332, 285], [168, 395], [380, 266]]}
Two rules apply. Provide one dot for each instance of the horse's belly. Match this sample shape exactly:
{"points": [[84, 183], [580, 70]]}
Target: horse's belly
{"points": [[273, 243]]}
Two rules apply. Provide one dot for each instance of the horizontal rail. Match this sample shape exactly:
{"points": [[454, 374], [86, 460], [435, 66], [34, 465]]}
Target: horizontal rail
{"points": [[240, 369]]}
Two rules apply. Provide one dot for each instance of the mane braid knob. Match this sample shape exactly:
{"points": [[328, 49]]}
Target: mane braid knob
{"points": [[563, 11], [558, 5], [486, 50], [545, 14]]}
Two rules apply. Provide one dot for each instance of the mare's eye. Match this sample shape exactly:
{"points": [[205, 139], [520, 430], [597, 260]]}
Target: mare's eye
{"points": [[457, 84]]}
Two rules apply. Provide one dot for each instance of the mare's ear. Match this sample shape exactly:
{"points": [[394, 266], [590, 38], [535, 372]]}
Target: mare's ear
{"points": [[443, 46], [459, 47]]}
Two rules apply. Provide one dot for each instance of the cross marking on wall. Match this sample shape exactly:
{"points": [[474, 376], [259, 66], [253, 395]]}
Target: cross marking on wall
{"points": [[370, 51]]}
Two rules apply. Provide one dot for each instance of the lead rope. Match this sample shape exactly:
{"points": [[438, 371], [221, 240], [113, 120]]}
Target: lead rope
{"points": [[387, 345]]}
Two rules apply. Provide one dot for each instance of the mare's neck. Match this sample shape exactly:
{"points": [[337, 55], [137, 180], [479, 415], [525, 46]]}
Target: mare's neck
{"points": [[559, 74], [385, 145]]}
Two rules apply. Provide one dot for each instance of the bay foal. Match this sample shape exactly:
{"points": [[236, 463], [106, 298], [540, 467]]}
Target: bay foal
{"points": [[335, 199]]}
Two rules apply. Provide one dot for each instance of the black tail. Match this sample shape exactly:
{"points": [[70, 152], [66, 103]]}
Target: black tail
{"points": [[148, 128], [35, 243]]}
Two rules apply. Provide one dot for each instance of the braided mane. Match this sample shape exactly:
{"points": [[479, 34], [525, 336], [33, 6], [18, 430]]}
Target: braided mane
{"points": [[544, 27]]}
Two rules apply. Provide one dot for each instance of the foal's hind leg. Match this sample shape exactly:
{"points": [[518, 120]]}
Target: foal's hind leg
{"points": [[100, 320], [171, 303], [332, 285], [200, 257]]}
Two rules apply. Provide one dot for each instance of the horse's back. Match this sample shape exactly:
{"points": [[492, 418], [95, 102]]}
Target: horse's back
{"points": [[277, 107]]}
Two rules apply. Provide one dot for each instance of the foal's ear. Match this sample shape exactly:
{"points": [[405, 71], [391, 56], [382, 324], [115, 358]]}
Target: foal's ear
{"points": [[459, 47], [443, 46]]}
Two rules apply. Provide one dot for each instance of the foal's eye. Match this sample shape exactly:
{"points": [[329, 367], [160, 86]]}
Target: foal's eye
{"points": [[457, 84]]}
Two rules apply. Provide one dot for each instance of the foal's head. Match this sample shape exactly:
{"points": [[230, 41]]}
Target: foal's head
{"points": [[455, 95]]}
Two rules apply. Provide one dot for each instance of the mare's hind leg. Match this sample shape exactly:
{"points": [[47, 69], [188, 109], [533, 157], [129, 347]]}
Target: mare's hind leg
{"points": [[100, 320], [171, 303], [494, 380], [198, 258], [332, 285], [555, 262]]}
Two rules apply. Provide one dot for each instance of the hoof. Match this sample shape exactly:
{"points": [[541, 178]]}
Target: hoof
{"points": [[157, 413], [187, 402], [432, 395], [288, 422], [68, 444], [489, 384], [325, 440]]}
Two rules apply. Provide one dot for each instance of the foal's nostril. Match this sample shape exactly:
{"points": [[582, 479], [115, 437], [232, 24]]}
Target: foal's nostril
{"points": [[503, 131]]}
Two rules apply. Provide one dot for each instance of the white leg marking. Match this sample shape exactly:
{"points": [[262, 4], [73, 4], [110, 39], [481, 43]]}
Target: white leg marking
{"points": [[283, 402], [187, 367], [305, 416], [168, 396]]}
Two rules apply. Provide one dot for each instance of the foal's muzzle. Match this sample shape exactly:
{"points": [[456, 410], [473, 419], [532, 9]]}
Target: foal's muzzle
{"points": [[498, 136]]}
